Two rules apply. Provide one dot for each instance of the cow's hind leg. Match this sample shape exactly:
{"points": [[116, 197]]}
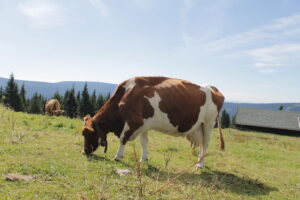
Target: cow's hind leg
{"points": [[144, 143], [206, 131]]}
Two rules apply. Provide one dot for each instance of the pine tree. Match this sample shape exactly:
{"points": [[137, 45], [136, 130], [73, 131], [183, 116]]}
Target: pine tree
{"points": [[85, 104], [42, 103], [23, 97], [280, 108], [78, 98], [70, 104], [11, 95], [65, 99], [225, 119], [1, 94], [100, 102], [36, 104], [93, 102], [233, 120], [58, 97], [107, 97]]}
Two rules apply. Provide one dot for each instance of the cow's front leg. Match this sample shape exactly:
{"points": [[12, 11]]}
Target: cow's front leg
{"points": [[144, 143], [120, 152], [126, 135]]}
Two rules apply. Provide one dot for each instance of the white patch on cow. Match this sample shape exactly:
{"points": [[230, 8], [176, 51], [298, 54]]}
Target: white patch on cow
{"points": [[160, 120], [129, 84], [125, 129]]}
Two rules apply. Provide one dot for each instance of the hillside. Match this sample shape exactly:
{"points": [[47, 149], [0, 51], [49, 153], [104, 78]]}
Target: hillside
{"points": [[254, 165]]}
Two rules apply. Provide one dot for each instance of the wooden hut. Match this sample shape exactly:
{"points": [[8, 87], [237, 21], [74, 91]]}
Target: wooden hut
{"points": [[275, 121]]}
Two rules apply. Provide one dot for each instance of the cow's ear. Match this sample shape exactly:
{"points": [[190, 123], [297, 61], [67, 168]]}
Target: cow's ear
{"points": [[86, 118], [88, 123]]}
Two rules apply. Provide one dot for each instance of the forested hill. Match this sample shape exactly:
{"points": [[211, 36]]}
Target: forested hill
{"points": [[48, 89]]}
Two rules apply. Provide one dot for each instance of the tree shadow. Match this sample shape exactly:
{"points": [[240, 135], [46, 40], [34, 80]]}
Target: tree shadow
{"points": [[214, 179]]}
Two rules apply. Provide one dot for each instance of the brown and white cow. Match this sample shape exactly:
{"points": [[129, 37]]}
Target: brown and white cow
{"points": [[172, 106]]}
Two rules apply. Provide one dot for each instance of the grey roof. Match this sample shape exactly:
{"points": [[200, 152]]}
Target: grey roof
{"points": [[268, 118]]}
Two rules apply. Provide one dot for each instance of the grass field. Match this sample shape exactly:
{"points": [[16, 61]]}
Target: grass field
{"points": [[254, 165]]}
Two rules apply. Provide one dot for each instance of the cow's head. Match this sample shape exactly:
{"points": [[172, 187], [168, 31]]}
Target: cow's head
{"points": [[58, 112], [92, 134]]}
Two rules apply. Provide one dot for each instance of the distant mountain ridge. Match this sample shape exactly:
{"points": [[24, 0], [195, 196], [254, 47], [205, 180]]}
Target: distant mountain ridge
{"points": [[48, 89]]}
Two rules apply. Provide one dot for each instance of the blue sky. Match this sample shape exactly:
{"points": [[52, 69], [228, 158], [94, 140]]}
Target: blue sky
{"points": [[249, 49]]}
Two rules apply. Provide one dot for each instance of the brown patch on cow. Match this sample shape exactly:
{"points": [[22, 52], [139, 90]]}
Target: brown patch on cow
{"points": [[181, 101], [149, 81], [108, 118], [217, 98]]}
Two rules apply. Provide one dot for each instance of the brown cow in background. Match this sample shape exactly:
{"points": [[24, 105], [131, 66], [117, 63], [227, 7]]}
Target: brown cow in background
{"points": [[53, 107]]}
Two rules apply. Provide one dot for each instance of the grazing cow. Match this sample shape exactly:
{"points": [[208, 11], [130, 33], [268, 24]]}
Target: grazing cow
{"points": [[172, 106], [52, 107]]}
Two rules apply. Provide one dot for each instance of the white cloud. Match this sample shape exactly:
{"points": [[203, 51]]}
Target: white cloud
{"points": [[284, 22], [99, 4], [262, 65], [269, 47], [270, 58], [43, 12], [267, 70], [282, 28]]}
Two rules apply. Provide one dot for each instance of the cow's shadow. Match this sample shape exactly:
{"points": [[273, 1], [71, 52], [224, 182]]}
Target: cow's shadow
{"points": [[94, 157], [214, 179]]}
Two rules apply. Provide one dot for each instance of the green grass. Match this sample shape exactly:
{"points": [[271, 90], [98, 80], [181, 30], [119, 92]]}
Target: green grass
{"points": [[254, 165]]}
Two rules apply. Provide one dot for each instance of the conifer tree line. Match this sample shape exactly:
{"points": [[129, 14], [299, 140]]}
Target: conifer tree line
{"points": [[75, 104], [225, 119]]}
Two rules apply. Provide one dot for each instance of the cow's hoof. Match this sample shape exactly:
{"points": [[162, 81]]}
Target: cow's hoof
{"points": [[199, 165], [118, 159]]}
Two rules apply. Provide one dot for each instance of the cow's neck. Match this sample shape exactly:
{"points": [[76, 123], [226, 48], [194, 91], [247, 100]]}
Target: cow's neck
{"points": [[107, 119], [108, 116]]}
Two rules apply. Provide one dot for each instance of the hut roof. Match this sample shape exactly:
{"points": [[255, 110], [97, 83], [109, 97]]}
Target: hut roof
{"points": [[268, 118]]}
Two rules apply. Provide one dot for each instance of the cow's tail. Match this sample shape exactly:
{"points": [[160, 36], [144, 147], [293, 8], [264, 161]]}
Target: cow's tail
{"points": [[222, 143]]}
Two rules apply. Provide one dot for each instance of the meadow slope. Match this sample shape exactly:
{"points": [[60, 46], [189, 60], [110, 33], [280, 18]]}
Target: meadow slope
{"points": [[254, 165]]}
